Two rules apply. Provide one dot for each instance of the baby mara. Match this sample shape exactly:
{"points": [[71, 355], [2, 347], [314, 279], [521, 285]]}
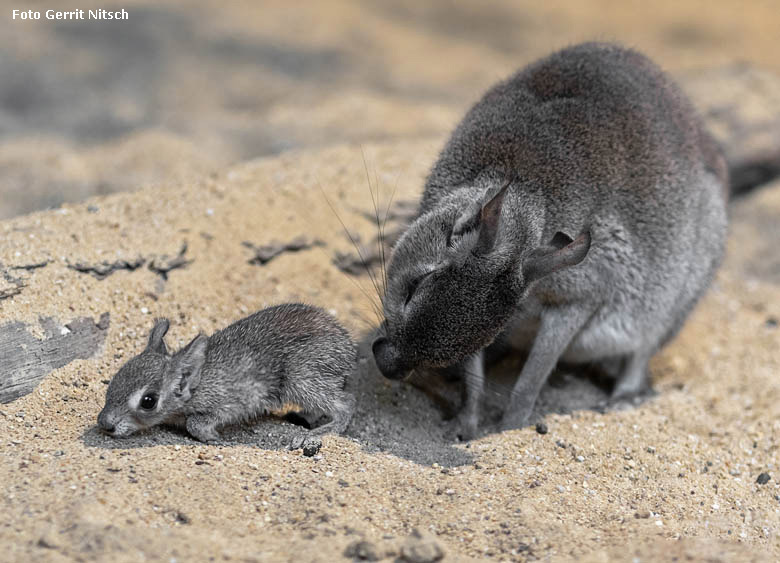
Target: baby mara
{"points": [[287, 354]]}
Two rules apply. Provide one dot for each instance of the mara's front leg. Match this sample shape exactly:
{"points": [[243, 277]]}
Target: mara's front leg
{"points": [[466, 422], [558, 326]]}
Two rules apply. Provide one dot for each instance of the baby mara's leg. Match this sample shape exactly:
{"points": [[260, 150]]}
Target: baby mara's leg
{"points": [[319, 394], [340, 410], [203, 427]]}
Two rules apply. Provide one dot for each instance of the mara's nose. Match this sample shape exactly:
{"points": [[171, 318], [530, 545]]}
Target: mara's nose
{"points": [[387, 359], [104, 424]]}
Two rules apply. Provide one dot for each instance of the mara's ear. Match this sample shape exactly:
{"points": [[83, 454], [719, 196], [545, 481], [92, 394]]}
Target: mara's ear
{"points": [[156, 342], [484, 218], [562, 252], [190, 364], [490, 217]]}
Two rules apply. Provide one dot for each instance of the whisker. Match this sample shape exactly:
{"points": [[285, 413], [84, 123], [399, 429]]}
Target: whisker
{"points": [[384, 224], [352, 280], [376, 214], [366, 321], [357, 249], [380, 235]]}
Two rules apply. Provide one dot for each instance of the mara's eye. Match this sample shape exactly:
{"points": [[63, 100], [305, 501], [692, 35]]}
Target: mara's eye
{"points": [[413, 284], [148, 402]]}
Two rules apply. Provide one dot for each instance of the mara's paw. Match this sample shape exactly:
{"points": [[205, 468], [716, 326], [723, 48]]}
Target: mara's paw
{"points": [[514, 419], [462, 428], [625, 400]]}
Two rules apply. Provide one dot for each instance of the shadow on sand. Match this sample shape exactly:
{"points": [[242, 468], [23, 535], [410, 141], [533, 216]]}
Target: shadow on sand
{"points": [[405, 419]]}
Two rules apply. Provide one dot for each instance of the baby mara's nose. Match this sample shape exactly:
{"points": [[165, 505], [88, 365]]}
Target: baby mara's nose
{"points": [[105, 425]]}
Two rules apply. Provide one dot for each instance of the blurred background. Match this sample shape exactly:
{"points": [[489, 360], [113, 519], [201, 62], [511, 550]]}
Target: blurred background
{"points": [[184, 88]]}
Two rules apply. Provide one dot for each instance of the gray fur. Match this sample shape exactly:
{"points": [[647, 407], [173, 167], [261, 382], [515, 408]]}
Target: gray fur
{"points": [[287, 354], [578, 211]]}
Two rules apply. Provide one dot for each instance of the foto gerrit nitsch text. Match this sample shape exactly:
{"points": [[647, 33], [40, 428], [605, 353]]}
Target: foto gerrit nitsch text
{"points": [[99, 14]]}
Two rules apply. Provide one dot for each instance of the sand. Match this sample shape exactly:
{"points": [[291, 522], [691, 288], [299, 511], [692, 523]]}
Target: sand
{"points": [[185, 88], [674, 477]]}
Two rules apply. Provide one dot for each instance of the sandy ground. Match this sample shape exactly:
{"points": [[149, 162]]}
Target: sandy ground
{"points": [[675, 477], [187, 87]]}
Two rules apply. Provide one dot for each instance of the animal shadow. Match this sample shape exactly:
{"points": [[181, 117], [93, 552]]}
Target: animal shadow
{"points": [[408, 419]]}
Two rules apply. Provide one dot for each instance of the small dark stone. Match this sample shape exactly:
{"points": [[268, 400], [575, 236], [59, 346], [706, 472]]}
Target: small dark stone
{"points": [[763, 479], [362, 550], [541, 428], [772, 322], [93, 208], [47, 542], [182, 518], [523, 547], [310, 450]]}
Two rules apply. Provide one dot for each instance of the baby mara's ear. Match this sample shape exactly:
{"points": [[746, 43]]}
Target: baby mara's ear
{"points": [[156, 342], [189, 366], [562, 252], [485, 219]]}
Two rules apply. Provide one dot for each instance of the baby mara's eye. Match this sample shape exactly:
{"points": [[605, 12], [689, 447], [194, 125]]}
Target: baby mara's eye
{"points": [[148, 402]]}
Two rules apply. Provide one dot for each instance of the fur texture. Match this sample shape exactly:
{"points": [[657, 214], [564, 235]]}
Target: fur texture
{"points": [[578, 210]]}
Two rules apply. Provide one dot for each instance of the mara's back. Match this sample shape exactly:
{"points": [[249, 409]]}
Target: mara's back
{"points": [[596, 118]]}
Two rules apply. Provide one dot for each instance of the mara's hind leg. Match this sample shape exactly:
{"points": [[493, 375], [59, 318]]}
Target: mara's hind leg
{"points": [[633, 380]]}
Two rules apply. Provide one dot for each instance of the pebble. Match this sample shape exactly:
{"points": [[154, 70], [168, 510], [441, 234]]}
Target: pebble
{"points": [[541, 428], [419, 548], [772, 322], [48, 541], [763, 479], [310, 450], [580, 458], [362, 551]]}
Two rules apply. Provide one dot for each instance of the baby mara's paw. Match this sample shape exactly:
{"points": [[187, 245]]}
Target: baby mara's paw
{"points": [[202, 430]]}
